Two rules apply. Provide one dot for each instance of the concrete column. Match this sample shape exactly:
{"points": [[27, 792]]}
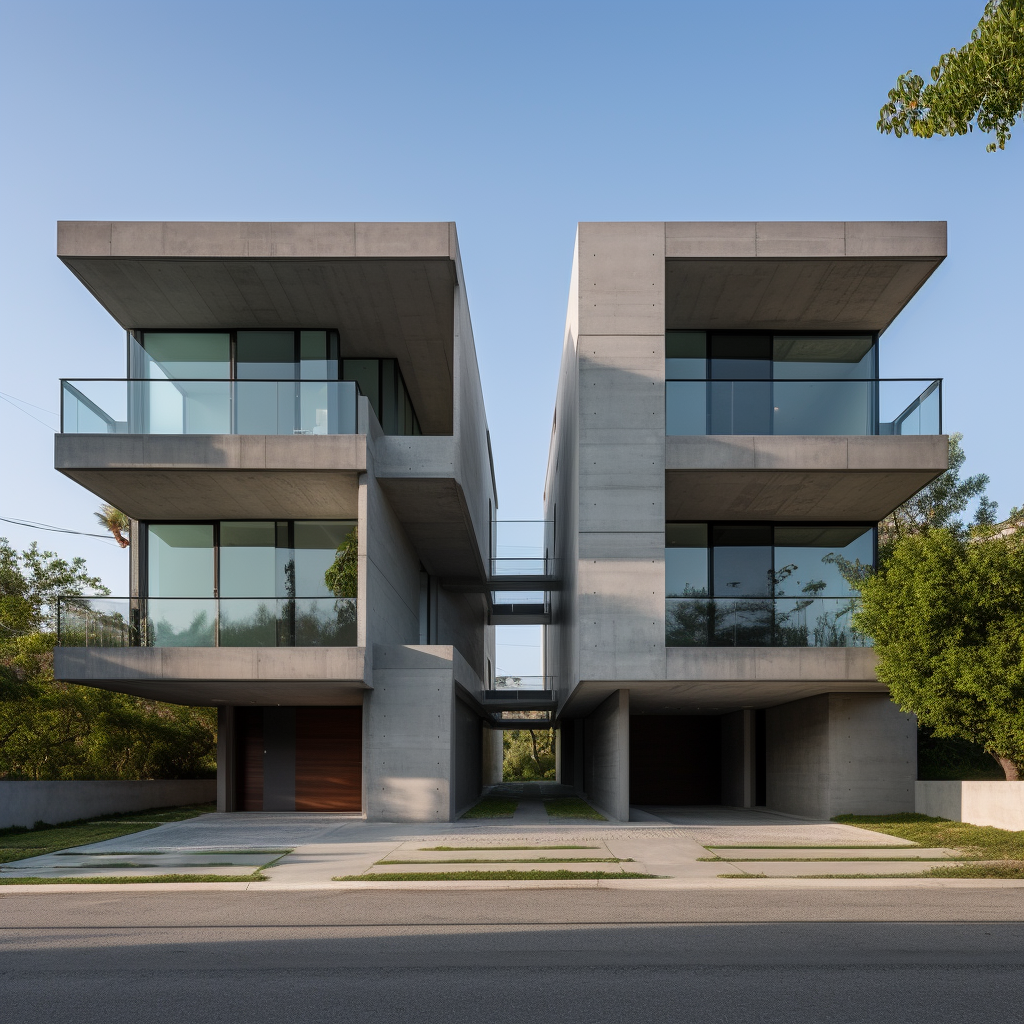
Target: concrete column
{"points": [[739, 779], [841, 753], [607, 756], [494, 755], [225, 758]]}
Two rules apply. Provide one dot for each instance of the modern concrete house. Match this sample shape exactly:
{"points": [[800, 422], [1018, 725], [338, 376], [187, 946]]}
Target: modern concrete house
{"points": [[301, 444], [721, 444], [294, 392]]}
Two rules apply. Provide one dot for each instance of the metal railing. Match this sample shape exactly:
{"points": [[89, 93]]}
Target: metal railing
{"points": [[762, 622], [804, 406], [119, 406], [512, 685], [206, 622]]}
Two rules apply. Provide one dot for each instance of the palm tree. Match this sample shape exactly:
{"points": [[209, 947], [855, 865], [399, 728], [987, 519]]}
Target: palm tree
{"points": [[116, 522]]}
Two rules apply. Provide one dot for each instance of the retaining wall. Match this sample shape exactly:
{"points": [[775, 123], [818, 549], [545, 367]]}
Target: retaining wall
{"points": [[980, 803], [25, 803]]}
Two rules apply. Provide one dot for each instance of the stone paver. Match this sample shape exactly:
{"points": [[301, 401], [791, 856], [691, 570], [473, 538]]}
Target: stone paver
{"points": [[833, 853]]}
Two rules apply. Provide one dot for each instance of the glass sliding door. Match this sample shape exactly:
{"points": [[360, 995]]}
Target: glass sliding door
{"points": [[249, 610], [264, 399], [740, 384], [181, 609]]}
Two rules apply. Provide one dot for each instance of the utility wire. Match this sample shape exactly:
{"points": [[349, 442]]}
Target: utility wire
{"points": [[54, 529], [23, 402], [49, 426]]}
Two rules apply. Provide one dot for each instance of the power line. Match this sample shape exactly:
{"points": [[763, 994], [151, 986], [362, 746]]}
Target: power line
{"points": [[23, 402], [54, 529], [49, 426]]}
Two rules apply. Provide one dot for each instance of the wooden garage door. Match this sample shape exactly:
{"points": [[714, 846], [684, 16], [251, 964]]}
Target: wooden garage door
{"points": [[249, 763], [329, 759]]}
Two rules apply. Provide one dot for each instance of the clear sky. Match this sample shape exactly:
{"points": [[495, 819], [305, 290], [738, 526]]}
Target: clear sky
{"points": [[516, 120]]}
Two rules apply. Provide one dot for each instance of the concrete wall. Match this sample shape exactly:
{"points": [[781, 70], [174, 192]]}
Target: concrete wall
{"points": [[408, 735], [606, 757], [25, 803], [1000, 804], [841, 753], [738, 767]]}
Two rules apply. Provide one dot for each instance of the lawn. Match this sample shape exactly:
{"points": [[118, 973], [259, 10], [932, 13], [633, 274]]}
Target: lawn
{"points": [[975, 840], [493, 807], [19, 843], [571, 807], [256, 876], [490, 876]]}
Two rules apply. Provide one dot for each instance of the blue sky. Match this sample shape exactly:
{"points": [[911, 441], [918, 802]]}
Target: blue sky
{"points": [[514, 120]]}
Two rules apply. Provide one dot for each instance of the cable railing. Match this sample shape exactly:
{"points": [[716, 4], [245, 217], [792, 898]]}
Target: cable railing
{"points": [[119, 406], [804, 406], [763, 622], [206, 622]]}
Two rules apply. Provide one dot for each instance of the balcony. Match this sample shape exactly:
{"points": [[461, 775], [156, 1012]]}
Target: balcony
{"points": [[762, 622], [268, 407], [801, 406], [172, 622]]}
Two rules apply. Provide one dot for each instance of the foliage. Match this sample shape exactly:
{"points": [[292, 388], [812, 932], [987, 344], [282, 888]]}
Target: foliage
{"points": [[342, 576], [938, 833], [493, 807], [529, 755], [939, 505], [256, 876], [953, 760], [55, 730], [114, 520], [982, 81], [946, 614]]}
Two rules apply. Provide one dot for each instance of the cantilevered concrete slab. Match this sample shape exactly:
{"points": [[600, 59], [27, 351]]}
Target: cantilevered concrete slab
{"points": [[221, 675], [389, 289], [751, 477], [716, 680], [218, 476], [798, 275]]}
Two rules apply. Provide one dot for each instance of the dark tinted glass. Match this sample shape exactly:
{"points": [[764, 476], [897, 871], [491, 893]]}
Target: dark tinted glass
{"points": [[850, 357], [686, 355], [741, 407], [742, 560], [741, 356], [686, 559], [810, 559], [265, 355]]}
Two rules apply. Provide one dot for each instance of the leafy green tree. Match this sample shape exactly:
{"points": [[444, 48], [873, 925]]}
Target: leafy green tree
{"points": [[529, 755], [980, 82], [342, 576], [939, 505], [56, 730], [946, 613]]}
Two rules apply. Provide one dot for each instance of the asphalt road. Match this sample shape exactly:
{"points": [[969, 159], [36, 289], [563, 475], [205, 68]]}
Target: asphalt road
{"points": [[893, 956]]}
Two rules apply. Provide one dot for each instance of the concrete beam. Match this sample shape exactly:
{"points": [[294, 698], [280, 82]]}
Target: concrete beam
{"points": [[858, 479]]}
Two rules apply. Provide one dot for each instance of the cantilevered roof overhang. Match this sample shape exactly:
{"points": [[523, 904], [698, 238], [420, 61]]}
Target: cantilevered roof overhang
{"points": [[796, 275], [387, 288]]}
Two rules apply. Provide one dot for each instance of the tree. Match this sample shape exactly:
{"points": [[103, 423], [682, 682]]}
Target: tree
{"points": [[939, 505], [116, 522], [342, 576], [981, 82], [529, 754], [56, 730], [946, 613]]}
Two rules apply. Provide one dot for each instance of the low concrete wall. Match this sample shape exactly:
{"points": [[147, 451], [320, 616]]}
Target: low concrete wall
{"points": [[25, 803], [979, 803], [606, 751]]}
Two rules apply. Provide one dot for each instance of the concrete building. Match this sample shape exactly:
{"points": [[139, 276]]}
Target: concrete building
{"points": [[720, 441], [301, 444]]}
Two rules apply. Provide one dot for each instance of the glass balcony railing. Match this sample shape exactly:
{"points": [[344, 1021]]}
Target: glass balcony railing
{"points": [[762, 622], [822, 407], [522, 547], [511, 685], [206, 622], [208, 406]]}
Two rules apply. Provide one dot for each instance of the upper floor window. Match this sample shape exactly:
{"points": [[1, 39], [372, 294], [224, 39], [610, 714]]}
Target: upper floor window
{"points": [[720, 382], [764, 584]]}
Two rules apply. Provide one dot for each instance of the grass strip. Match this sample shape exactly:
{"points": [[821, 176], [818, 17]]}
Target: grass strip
{"points": [[493, 807], [795, 846], [571, 807], [523, 860], [980, 840], [256, 876], [18, 843], [489, 876], [1008, 870], [459, 849], [830, 860]]}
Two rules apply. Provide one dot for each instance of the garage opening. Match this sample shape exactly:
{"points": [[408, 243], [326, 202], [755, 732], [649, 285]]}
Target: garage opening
{"points": [[675, 760]]}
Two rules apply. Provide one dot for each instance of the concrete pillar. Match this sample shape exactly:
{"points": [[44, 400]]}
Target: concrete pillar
{"points": [[225, 759], [739, 769], [494, 755], [841, 753], [606, 756]]}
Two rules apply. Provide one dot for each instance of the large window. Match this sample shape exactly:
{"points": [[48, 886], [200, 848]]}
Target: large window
{"points": [[250, 584], [745, 383], [764, 584], [258, 382]]}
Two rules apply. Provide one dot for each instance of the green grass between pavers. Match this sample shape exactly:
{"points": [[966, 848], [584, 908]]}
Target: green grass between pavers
{"points": [[489, 876], [975, 840], [571, 807], [797, 846], [1008, 870], [830, 860], [256, 876], [459, 849], [523, 860], [18, 843], [493, 807]]}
